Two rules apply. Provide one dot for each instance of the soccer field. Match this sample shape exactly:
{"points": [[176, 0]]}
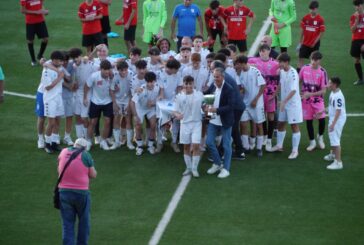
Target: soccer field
{"points": [[265, 201]]}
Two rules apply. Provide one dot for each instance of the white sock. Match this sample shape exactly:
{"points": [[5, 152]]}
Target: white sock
{"points": [[66, 135], [159, 136], [252, 140], [85, 132], [280, 138], [150, 143], [269, 141], [129, 136], [260, 140], [312, 142], [48, 139], [139, 143], [116, 134], [195, 162], [296, 137], [40, 137], [245, 140], [188, 161], [79, 130], [55, 138]]}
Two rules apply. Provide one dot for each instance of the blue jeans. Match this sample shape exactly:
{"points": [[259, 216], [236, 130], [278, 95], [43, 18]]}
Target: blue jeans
{"points": [[73, 204], [212, 131]]}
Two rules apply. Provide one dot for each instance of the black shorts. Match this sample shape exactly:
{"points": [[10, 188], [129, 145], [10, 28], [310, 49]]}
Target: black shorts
{"points": [[306, 51], [215, 33], [39, 29], [129, 35], [95, 110], [105, 24], [92, 39], [240, 44], [355, 50]]}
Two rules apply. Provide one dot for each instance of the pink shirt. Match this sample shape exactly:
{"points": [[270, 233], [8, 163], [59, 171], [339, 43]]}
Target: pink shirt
{"points": [[313, 80], [270, 72], [76, 175]]}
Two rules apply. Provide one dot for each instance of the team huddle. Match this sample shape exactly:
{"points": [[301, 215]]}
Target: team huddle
{"points": [[205, 99]]}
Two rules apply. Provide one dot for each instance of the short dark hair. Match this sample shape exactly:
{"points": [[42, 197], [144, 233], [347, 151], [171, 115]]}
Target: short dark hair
{"points": [[197, 37], [150, 76], [218, 64], [121, 65], [316, 55], [214, 4], [141, 64], [183, 48], [264, 46], [241, 59], [66, 56], [57, 55], [313, 4], [357, 2], [74, 53], [136, 51], [173, 64], [224, 51], [221, 57], [154, 51], [188, 79], [231, 47], [105, 65], [336, 81], [284, 57], [211, 56]]}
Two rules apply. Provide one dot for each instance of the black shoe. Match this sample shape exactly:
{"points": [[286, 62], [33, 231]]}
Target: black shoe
{"points": [[239, 157], [56, 147], [48, 148], [359, 82]]}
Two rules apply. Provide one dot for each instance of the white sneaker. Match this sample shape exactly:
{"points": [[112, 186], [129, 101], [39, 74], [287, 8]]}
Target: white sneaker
{"points": [[139, 151], [293, 155], [97, 140], [123, 140], [195, 173], [88, 146], [175, 148], [187, 172], [268, 146], [67, 141], [265, 139], [252, 146], [214, 168], [320, 141], [110, 141], [202, 148], [159, 148], [151, 150], [329, 157], [223, 173], [104, 146], [115, 145], [130, 146], [335, 165], [41, 143], [312, 145], [276, 148]]}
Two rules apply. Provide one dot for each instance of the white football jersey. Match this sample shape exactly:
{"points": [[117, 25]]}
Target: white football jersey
{"points": [[169, 83], [189, 105], [251, 82], [200, 76], [136, 83], [121, 86], [141, 99], [48, 76], [100, 89], [83, 72], [337, 102], [289, 81]]}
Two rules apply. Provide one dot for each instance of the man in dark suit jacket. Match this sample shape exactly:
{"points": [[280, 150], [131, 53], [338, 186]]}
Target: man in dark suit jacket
{"points": [[222, 122]]}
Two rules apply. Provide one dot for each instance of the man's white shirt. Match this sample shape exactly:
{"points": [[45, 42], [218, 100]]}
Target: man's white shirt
{"points": [[48, 76], [100, 86], [251, 81]]}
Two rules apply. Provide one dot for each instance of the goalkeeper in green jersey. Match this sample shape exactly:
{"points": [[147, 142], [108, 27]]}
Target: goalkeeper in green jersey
{"points": [[283, 13], [154, 19]]}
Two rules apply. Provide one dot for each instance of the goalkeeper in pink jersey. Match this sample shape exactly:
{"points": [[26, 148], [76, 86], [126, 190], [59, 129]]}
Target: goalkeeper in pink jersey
{"points": [[269, 69], [314, 81]]}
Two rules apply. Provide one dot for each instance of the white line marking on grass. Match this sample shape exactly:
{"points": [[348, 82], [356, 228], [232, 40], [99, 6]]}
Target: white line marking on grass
{"points": [[355, 114], [257, 40], [29, 96], [157, 235]]}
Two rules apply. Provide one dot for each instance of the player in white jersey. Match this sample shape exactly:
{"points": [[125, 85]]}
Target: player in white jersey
{"points": [[53, 104], [100, 101], [134, 57], [145, 105], [164, 46], [121, 95], [198, 49], [83, 69], [290, 107], [188, 111], [337, 119], [170, 81], [185, 58], [154, 61], [198, 72], [252, 84]]}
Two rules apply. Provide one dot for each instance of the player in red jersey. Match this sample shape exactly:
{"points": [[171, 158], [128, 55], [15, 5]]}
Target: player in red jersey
{"points": [[129, 19], [357, 29], [35, 25], [312, 26], [90, 15], [105, 21], [237, 28], [214, 19]]}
